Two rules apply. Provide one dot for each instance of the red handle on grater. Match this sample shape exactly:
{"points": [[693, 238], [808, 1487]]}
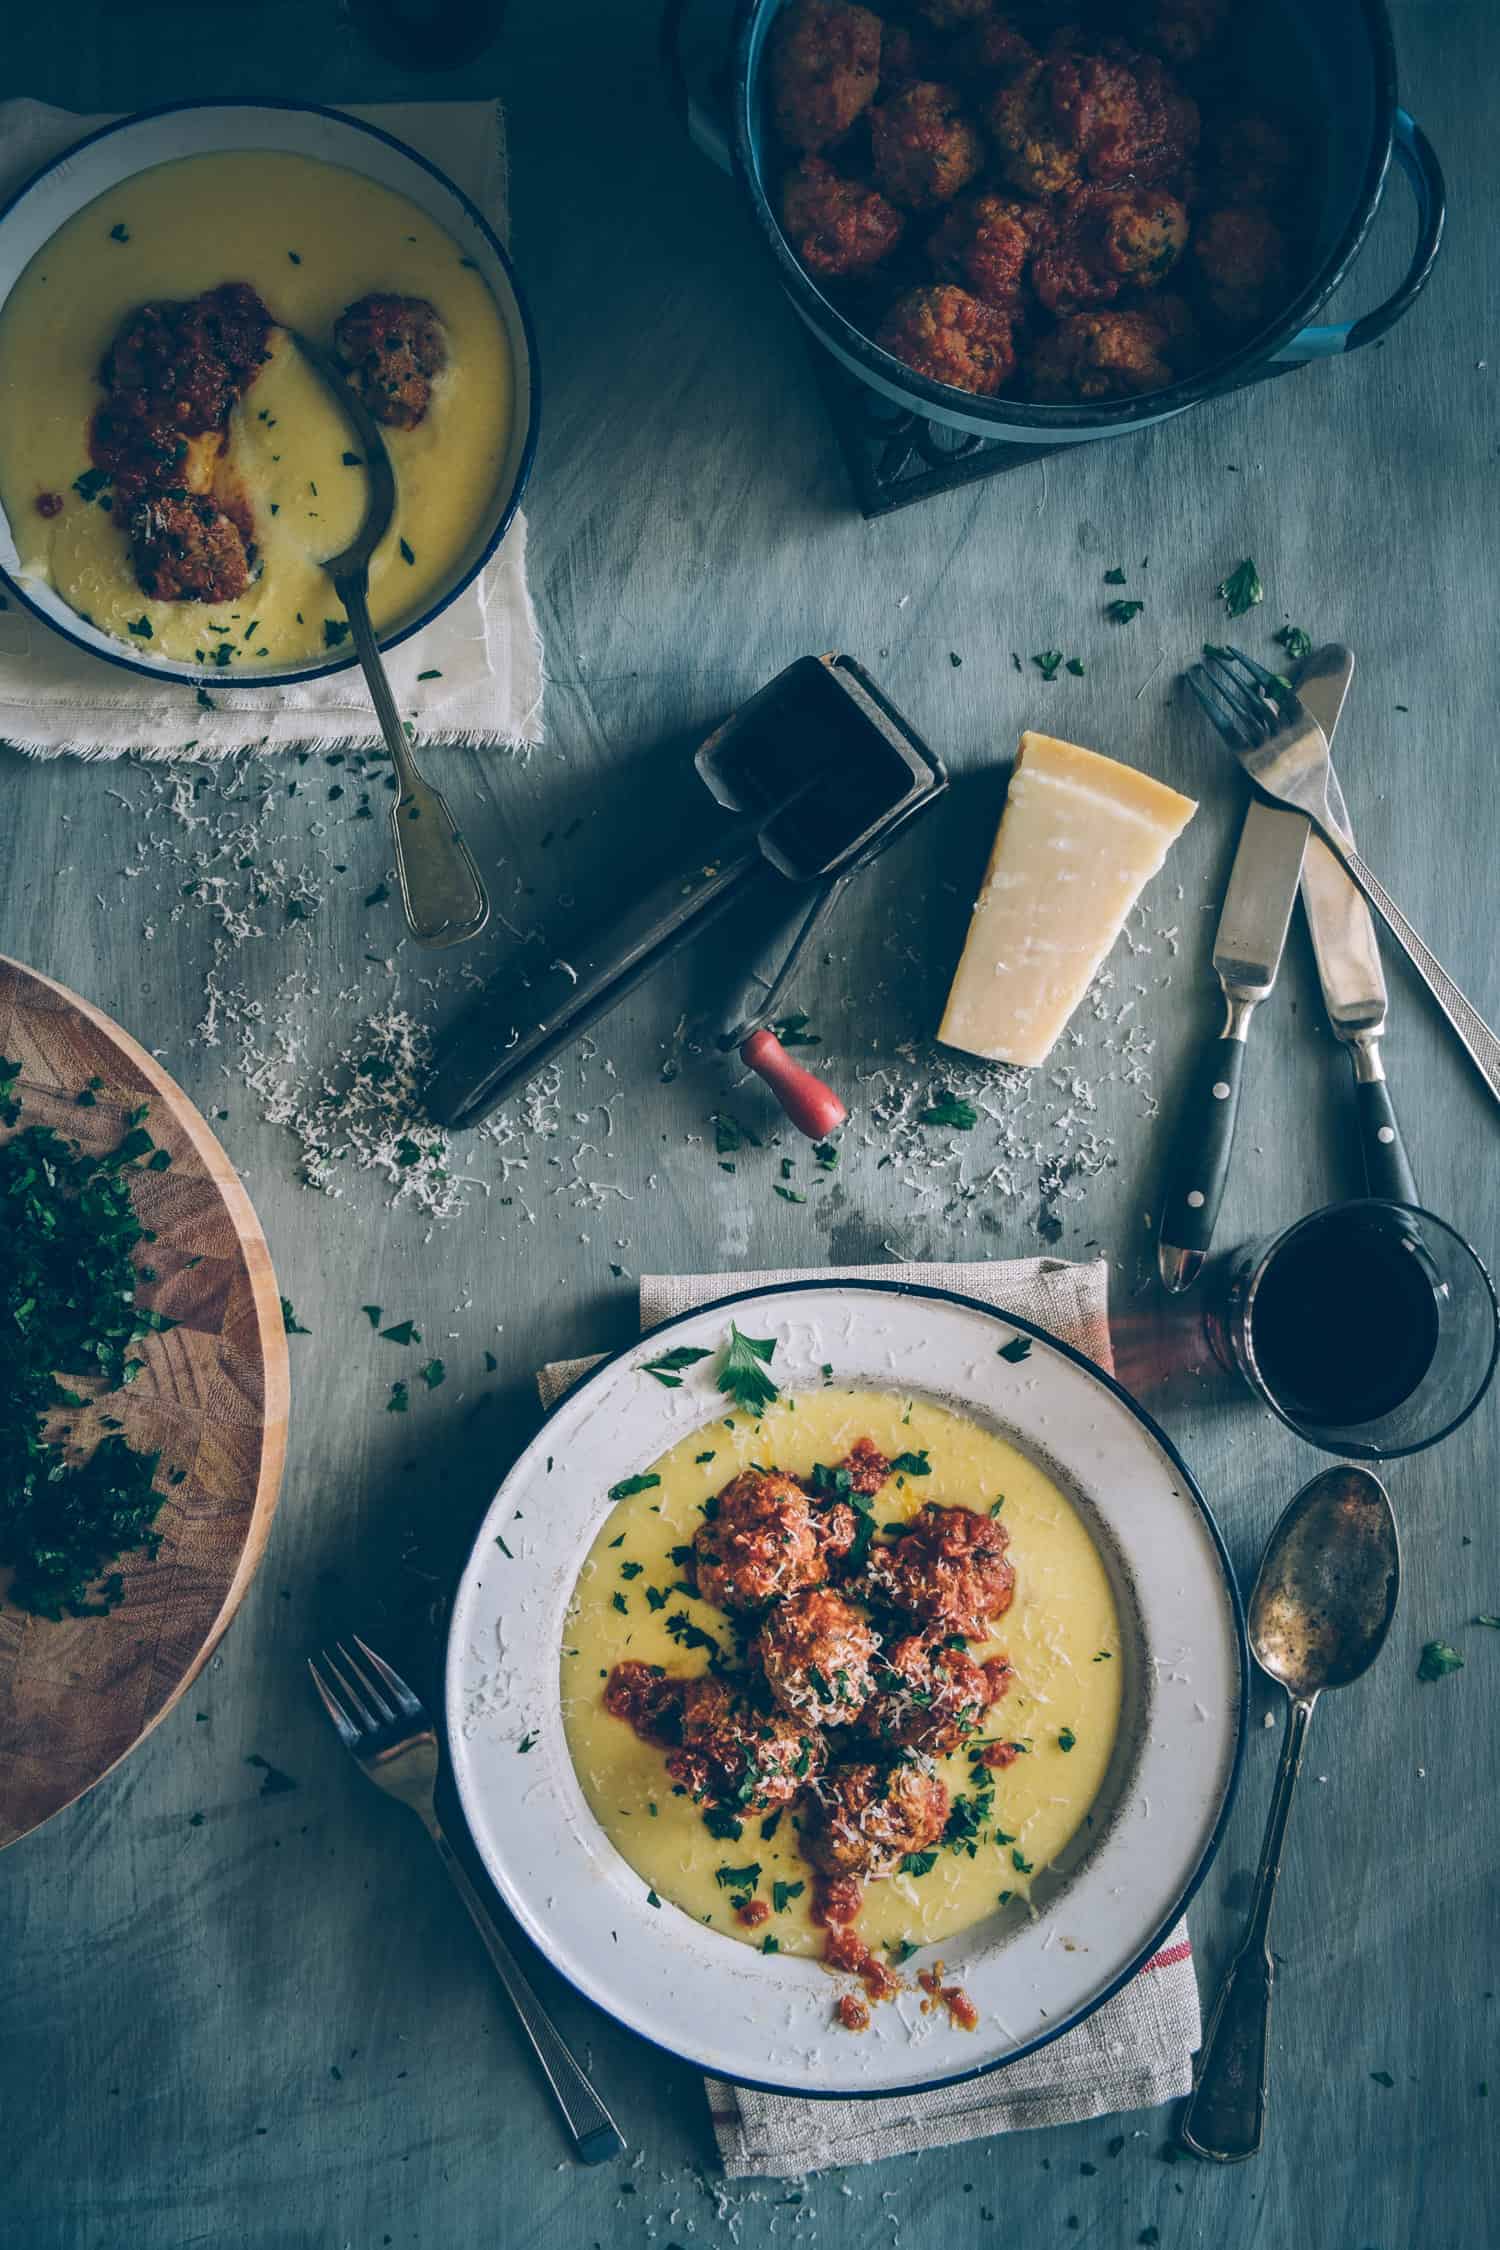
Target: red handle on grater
{"points": [[813, 1108]]}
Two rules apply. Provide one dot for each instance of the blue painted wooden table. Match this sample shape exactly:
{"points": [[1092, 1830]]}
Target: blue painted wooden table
{"points": [[228, 2016]]}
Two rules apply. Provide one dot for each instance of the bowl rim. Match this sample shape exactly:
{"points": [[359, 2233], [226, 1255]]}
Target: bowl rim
{"points": [[203, 675], [1102, 417], [454, 1660]]}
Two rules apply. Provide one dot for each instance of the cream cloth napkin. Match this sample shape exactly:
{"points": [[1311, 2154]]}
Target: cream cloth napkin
{"points": [[56, 698], [1133, 2052]]}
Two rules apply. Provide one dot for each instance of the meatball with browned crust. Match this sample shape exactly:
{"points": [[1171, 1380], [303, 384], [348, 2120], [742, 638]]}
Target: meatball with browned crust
{"points": [[1104, 240], [1123, 113], [926, 149], [759, 1544], [930, 1697], [837, 226], [863, 1819], [824, 67], [1099, 355], [1035, 148], [182, 366], [737, 1757], [950, 337], [187, 549], [391, 348], [983, 244], [1241, 258], [816, 1651], [948, 1569]]}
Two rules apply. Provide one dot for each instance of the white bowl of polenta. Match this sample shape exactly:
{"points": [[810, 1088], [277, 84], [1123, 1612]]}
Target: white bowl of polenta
{"points": [[172, 470], [846, 1688]]}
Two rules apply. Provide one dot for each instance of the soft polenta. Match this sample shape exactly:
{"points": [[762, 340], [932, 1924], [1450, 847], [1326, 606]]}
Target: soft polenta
{"points": [[1061, 1636], [310, 238]]}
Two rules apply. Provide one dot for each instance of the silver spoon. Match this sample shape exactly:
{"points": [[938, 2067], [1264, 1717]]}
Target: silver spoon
{"points": [[1319, 1615], [441, 888]]}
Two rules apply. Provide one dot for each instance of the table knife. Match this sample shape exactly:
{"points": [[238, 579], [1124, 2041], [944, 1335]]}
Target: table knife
{"points": [[1348, 957], [1247, 954]]}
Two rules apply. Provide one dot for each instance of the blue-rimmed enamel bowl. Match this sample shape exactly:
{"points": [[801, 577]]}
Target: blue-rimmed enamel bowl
{"points": [[213, 128]]}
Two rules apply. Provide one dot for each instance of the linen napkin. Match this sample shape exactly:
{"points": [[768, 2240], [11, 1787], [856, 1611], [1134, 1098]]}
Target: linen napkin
{"points": [[1134, 2051], [56, 698]]}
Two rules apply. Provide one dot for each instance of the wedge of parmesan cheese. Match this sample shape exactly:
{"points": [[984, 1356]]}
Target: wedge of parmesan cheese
{"points": [[1079, 839]]}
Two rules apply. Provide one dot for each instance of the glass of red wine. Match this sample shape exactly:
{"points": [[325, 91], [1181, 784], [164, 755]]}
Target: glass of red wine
{"points": [[1370, 1328]]}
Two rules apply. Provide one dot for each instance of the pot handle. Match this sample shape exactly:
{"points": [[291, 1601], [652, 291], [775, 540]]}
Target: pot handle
{"points": [[1417, 158], [703, 119]]}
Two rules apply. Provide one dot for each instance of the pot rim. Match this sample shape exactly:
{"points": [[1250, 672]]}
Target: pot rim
{"points": [[1101, 417]]}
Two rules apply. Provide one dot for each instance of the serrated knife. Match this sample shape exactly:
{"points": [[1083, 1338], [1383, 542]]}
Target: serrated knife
{"points": [[1348, 957], [1247, 953]]}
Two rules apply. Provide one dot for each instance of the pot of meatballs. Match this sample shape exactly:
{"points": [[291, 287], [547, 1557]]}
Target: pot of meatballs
{"points": [[1047, 224]]}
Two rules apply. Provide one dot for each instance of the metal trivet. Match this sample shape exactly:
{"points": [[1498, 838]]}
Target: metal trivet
{"points": [[895, 456]]}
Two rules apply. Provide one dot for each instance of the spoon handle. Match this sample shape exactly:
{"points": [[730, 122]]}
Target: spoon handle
{"points": [[441, 888], [1226, 2112]]}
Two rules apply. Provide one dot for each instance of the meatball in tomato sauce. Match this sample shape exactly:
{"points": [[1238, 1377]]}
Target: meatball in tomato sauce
{"points": [[950, 337], [816, 1651], [735, 1756], [759, 1544], [930, 1697], [187, 549], [837, 226], [948, 1569], [862, 1820]]}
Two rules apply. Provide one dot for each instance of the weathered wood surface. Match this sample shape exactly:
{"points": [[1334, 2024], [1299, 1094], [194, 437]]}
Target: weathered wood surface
{"points": [[276, 2028], [210, 1399]]}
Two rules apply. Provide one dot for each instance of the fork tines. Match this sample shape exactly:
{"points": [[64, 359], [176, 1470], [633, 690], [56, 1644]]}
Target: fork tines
{"points": [[355, 1702], [1240, 696]]}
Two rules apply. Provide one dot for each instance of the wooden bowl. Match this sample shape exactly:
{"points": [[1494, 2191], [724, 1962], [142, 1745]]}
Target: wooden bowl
{"points": [[75, 1697]]}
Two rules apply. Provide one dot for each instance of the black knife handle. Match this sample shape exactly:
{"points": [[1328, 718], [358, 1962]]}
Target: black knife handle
{"points": [[1200, 1164], [1387, 1172]]}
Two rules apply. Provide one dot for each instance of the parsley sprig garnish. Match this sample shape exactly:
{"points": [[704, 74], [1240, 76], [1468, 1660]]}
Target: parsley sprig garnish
{"points": [[743, 1376]]}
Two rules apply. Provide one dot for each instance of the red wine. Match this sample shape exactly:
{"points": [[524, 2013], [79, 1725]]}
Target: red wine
{"points": [[1344, 1322]]}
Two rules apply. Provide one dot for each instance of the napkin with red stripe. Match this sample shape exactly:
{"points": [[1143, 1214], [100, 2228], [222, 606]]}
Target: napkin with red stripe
{"points": [[1134, 2051]]}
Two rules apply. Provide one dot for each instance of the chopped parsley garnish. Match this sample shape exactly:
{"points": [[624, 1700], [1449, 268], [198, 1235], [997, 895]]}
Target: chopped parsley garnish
{"points": [[652, 1899], [67, 1233], [627, 1487], [782, 1894], [668, 1367], [1298, 645], [826, 1156], [724, 1825], [1484, 1618], [119, 232], [1382, 2078], [1115, 577], [353, 461], [372, 1314], [742, 1375], [1241, 590], [788, 1195], [918, 1863], [738, 1878], [379, 895], [500, 1543], [289, 1320], [688, 1635], [434, 1373], [141, 628], [912, 1464], [618, 1601], [948, 1110], [335, 632], [527, 1742], [399, 1400], [1019, 1861], [700, 1458], [1121, 612], [403, 1332], [901, 1950], [1016, 1350], [1049, 663], [792, 1031], [433, 674], [406, 554], [631, 1569], [1066, 1738], [1438, 1660], [1075, 666], [770, 1944], [91, 483]]}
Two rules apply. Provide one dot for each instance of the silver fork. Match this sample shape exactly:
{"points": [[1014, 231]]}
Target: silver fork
{"points": [[1285, 752], [384, 1727]]}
